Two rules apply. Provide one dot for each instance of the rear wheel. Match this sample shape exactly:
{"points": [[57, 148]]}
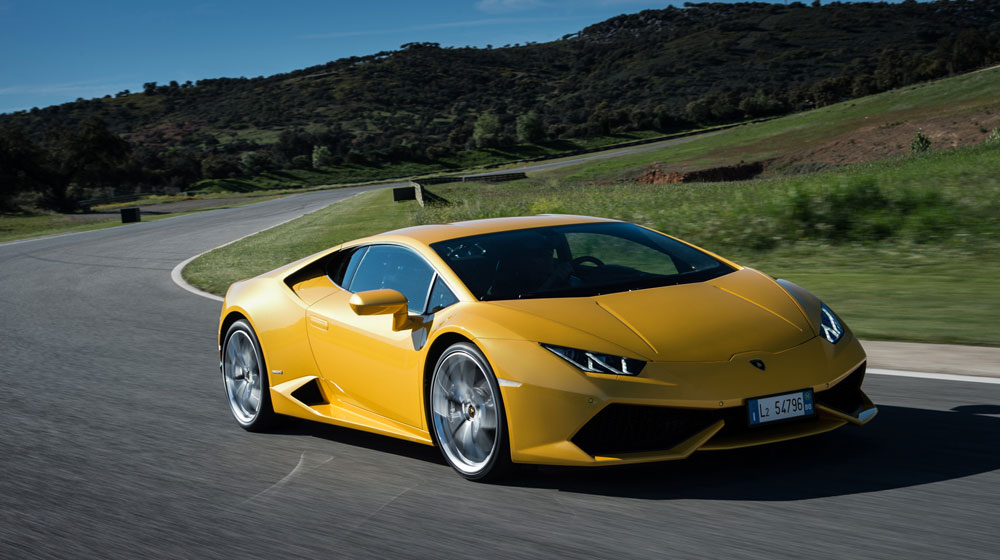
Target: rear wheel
{"points": [[467, 414], [245, 378]]}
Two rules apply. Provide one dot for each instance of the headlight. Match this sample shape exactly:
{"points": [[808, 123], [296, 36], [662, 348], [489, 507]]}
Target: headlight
{"points": [[829, 326], [817, 311], [595, 362]]}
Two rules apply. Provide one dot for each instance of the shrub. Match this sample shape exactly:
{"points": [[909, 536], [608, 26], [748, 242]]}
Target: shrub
{"points": [[321, 157], [921, 143]]}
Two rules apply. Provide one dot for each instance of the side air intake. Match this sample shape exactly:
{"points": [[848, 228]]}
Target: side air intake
{"points": [[309, 394]]}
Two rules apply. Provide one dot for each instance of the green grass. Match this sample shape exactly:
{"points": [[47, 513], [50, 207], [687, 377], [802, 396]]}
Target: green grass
{"points": [[356, 217], [926, 294], [20, 226]]}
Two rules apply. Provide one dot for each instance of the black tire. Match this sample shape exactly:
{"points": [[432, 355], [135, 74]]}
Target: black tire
{"points": [[467, 415], [243, 373]]}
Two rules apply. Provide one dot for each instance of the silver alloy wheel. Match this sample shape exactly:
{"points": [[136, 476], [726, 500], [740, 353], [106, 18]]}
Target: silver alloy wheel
{"points": [[242, 372], [464, 410]]}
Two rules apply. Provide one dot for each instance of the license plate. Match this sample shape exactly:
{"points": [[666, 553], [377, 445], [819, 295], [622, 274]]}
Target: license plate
{"points": [[780, 407]]}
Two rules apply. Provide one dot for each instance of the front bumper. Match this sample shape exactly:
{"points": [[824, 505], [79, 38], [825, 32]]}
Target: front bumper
{"points": [[561, 416]]}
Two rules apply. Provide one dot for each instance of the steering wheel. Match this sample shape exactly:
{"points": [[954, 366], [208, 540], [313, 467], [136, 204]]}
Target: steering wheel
{"points": [[586, 259]]}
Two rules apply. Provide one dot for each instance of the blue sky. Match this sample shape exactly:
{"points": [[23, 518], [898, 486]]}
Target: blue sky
{"points": [[54, 51]]}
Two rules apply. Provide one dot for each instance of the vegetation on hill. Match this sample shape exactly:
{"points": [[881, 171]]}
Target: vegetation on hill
{"points": [[426, 107]]}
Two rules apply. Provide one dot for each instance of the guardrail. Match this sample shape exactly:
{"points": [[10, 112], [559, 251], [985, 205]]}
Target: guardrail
{"points": [[417, 192]]}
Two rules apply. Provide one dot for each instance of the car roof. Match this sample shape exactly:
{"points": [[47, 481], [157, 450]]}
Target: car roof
{"points": [[440, 232]]}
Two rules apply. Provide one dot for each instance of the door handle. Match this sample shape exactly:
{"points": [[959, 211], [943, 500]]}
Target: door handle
{"points": [[318, 323]]}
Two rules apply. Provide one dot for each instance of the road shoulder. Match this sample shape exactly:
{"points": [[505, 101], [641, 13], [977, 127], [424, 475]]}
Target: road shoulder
{"points": [[941, 358]]}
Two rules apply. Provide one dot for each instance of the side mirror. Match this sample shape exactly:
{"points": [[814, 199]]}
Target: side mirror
{"points": [[382, 302]]}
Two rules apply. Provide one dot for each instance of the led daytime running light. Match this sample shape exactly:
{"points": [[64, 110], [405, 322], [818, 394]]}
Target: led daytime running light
{"points": [[594, 362]]}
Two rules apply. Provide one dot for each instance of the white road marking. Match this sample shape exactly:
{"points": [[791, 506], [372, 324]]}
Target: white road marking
{"points": [[176, 273], [938, 376]]}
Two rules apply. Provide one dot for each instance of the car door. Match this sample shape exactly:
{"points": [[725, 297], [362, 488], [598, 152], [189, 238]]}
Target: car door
{"points": [[371, 365]]}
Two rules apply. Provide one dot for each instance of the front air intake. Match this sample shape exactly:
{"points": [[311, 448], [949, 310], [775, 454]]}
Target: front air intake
{"points": [[624, 428], [845, 396]]}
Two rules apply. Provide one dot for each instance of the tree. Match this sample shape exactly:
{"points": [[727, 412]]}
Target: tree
{"points": [[21, 166], [321, 157], [486, 131], [253, 163], [759, 105], [699, 111], [219, 166], [530, 128], [89, 157]]}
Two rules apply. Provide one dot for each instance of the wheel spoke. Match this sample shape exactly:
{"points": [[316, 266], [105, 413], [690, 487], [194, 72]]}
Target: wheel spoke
{"points": [[483, 443], [253, 399], [245, 396], [489, 417], [248, 358], [462, 434], [232, 356]]}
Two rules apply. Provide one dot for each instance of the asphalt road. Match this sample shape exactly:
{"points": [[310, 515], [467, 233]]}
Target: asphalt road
{"points": [[116, 442]]}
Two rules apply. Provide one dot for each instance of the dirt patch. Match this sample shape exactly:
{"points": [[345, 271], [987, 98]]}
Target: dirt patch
{"points": [[890, 138], [657, 174]]}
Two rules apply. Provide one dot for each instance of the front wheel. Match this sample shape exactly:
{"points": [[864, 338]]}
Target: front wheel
{"points": [[467, 414], [245, 378]]}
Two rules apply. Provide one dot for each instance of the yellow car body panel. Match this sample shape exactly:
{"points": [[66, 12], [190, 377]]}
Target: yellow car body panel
{"points": [[698, 341]]}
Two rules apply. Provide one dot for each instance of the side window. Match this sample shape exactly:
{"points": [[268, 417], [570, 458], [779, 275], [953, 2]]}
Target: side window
{"points": [[441, 297], [388, 266], [341, 266]]}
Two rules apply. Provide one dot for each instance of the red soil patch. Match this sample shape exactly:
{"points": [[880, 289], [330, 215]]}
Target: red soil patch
{"points": [[657, 174], [884, 139]]}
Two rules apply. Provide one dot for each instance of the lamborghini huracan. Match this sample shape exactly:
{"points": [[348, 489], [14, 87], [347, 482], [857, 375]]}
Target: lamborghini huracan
{"points": [[558, 340]]}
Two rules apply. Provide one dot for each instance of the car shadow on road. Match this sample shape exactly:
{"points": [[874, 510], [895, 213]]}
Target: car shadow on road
{"points": [[901, 447], [358, 438]]}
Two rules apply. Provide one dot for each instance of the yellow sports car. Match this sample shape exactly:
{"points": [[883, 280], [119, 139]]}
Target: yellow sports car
{"points": [[559, 340]]}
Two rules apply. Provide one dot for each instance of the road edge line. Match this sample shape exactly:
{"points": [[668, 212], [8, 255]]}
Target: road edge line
{"points": [[176, 274], [936, 376]]}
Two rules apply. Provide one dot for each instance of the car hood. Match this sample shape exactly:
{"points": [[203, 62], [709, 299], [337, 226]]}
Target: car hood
{"points": [[706, 321]]}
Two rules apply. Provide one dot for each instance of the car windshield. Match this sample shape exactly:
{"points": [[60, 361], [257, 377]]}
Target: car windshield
{"points": [[574, 261]]}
